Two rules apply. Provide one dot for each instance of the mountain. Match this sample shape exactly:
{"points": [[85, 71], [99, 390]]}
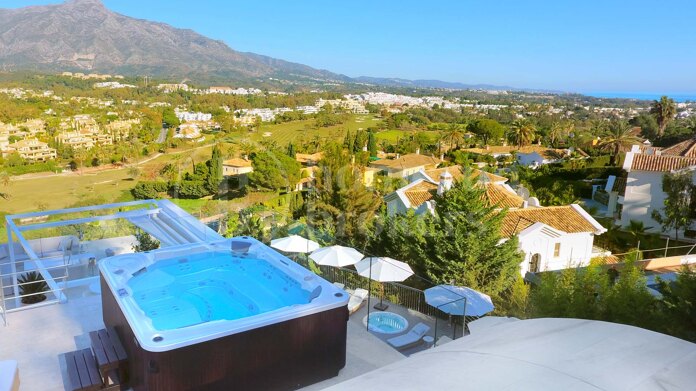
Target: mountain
{"points": [[83, 35]]}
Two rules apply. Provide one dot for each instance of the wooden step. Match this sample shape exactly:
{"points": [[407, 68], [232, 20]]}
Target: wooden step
{"points": [[110, 354], [82, 371]]}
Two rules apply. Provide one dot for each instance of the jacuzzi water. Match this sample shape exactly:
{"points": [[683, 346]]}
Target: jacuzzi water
{"points": [[184, 291], [386, 322], [182, 295]]}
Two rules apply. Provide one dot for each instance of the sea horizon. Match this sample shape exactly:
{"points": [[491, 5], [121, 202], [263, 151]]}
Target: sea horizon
{"points": [[679, 97]]}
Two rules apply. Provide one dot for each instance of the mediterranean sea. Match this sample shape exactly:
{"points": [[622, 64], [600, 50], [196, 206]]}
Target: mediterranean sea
{"points": [[642, 96]]}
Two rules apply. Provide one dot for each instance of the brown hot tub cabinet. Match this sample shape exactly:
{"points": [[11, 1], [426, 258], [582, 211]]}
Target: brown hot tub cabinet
{"points": [[281, 356]]}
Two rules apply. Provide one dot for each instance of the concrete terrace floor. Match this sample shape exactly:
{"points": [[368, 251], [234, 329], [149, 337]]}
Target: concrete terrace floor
{"points": [[37, 338]]}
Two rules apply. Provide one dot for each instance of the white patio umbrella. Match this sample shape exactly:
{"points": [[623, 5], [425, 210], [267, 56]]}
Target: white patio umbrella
{"points": [[383, 269], [454, 299], [451, 299], [336, 256], [294, 244]]}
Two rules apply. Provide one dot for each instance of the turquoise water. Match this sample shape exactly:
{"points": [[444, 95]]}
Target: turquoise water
{"points": [[387, 323], [181, 292]]}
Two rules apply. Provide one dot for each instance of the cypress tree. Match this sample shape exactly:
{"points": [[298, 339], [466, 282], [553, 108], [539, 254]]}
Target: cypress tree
{"points": [[372, 144], [214, 177]]}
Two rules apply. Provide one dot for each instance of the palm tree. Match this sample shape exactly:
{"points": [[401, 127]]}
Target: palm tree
{"points": [[454, 134], [5, 180], [637, 230], [555, 132], [618, 137], [522, 133], [664, 111]]}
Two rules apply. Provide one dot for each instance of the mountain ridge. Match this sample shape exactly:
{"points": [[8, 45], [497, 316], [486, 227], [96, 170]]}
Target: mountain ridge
{"points": [[84, 35]]}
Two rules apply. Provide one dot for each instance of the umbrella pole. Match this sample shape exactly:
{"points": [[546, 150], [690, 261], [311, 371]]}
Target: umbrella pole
{"points": [[369, 293], [435, 338]]}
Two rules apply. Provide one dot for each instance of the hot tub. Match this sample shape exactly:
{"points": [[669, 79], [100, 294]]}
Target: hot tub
{"points": [[233, 314]]}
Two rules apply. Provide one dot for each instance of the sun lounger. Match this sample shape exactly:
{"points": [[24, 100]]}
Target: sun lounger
{"points": [[413, 338], [356, 300]]}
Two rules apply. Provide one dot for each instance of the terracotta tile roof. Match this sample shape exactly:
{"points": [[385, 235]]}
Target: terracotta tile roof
{"points": [[549, 153], [307, 158], [458, 173], [562, 218], [411, 160], [661, 163], [685, 148], [237, 162], [420, 193], [495, 194], [502, 197]]}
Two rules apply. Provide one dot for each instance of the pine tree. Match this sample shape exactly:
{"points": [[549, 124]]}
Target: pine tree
{"points": [[341, 204], [291, 150]]}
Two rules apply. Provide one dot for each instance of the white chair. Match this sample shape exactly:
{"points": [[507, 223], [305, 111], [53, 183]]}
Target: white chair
{"points": [[413, 338], [339, 285], [356, 300]]}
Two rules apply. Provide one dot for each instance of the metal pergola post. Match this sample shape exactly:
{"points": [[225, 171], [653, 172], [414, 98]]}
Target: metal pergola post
{"points": [[369, 293]]}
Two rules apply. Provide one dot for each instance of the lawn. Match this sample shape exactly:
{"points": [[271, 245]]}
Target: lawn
{"points": [[303, 131], [392, 136]]}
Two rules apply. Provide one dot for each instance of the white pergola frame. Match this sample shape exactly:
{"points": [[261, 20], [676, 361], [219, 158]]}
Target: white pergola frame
{"points": [[197, 232]]}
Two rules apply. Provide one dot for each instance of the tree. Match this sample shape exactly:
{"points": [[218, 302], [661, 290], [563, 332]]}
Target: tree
{"points": [[340, 203], [274, 170], [487, 130], [250, 225], [454, 134], [637, 230], [5, 180], [145, 242], [372, 144], [618, 137], [460, 244], [679, 204], [522, 133], [664, 111], [291, 150], [133, 172], [679, 301], [212, 182]]}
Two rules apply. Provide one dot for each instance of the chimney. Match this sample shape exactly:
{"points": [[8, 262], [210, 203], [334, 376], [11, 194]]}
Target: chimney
{"points": [[445, 183], [398, 156], [417, 151], [246, 157], [442, 156]]}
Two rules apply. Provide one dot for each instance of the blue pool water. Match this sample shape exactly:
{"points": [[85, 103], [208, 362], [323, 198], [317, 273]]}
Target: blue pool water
{"points": [[386, 322], [184, 291]]}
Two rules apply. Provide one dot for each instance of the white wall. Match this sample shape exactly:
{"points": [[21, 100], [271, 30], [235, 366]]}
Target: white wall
{"points": [[576, 250], [643, 195]]}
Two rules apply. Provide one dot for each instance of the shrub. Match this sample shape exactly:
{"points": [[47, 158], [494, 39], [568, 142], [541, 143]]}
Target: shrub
{"points": [[189, 189], [148, 190], [32, 283]]}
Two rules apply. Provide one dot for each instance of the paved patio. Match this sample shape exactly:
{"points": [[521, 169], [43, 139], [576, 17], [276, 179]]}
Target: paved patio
{"points": [[37, 338], [444, 327]]}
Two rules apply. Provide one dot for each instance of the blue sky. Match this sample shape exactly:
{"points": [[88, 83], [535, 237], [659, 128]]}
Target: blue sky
{"points": [[591, 46]]}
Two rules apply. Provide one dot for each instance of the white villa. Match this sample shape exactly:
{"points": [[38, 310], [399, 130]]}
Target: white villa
{"points": [[236, 166], [645, 168], [530, 156], [406, 165], [552, 237], [187, 131], [33, 150]]}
